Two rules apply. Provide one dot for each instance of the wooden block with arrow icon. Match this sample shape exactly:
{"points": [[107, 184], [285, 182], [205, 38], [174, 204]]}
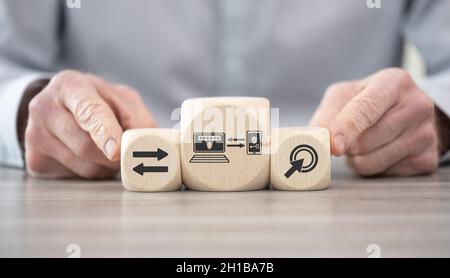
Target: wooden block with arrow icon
{"points": [[224, 143], [150, 160], [300, 159]]}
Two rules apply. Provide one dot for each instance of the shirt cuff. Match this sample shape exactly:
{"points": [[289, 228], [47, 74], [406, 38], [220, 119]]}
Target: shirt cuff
{"points": [[438, 89], [10, 97], [445, 158], [439, 92]]}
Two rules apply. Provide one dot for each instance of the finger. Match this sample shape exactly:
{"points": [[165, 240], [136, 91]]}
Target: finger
{"points": [[422, 164], [85, 169], [126, 103], [391, 125], [77, 140], [133, 112], [37, 163], [91, 112], [334, 99], [81, 168], [362, 112], [40, 166], [381, 159]]}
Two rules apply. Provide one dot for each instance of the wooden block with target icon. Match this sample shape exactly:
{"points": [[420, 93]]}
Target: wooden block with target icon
{"points": [[300, 159]]}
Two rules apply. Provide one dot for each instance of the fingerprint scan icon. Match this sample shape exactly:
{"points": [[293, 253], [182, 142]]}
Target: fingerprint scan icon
{"points": [[303, 159]]}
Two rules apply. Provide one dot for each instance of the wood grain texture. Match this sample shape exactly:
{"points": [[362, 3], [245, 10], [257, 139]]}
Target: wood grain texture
{"points": [[300, 158], [406, 217], [229, 165], [150, 160]]}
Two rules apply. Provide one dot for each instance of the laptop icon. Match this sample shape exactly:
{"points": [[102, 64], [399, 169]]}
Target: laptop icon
{"points": [[209, 147]]}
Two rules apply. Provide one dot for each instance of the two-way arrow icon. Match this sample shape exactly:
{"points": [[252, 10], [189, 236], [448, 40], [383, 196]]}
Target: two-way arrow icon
{"points": [[141, 168]]}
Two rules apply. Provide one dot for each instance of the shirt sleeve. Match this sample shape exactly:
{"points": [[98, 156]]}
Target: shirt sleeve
{"points": [[427, 26], [28, 51]]}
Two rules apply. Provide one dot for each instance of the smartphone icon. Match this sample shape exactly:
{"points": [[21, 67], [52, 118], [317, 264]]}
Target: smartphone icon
{"points": [[254, 139]]}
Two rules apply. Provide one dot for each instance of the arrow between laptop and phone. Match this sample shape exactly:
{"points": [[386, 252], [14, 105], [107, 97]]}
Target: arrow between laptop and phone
{"points": [[236, 145], [231, 139], [159, 154]]}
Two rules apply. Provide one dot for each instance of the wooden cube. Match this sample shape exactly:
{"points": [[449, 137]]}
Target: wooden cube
{"points": [[150, 160], [300, 159], [225, 143]]}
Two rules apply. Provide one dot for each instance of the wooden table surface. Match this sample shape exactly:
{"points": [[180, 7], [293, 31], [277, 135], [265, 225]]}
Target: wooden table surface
{"points": [[403, 216]]}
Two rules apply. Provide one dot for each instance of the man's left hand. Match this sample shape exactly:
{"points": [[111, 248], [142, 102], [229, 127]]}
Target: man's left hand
{"points": [[384, 124]]}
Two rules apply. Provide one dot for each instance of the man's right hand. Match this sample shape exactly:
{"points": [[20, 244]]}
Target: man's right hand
{"points": [[75, 125]]}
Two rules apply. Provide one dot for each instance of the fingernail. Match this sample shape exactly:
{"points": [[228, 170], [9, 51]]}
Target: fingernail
{"points": [[110, 148], [339, 141]]}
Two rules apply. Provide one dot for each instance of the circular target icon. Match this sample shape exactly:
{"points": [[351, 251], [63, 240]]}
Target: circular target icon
{"points": [[299, 155]]}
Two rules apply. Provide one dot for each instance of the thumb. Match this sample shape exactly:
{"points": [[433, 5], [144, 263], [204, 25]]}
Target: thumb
{"points": [[334, 99], [362, 112], [94, 116], [130, 108], [126, 104]]}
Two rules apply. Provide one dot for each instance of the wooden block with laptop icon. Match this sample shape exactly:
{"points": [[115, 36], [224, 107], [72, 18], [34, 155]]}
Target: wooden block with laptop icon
{"points": [[224, 143]]}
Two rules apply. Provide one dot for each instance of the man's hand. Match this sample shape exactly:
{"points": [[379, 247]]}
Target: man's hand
{"points": [[385, 124], [75, 125]]}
